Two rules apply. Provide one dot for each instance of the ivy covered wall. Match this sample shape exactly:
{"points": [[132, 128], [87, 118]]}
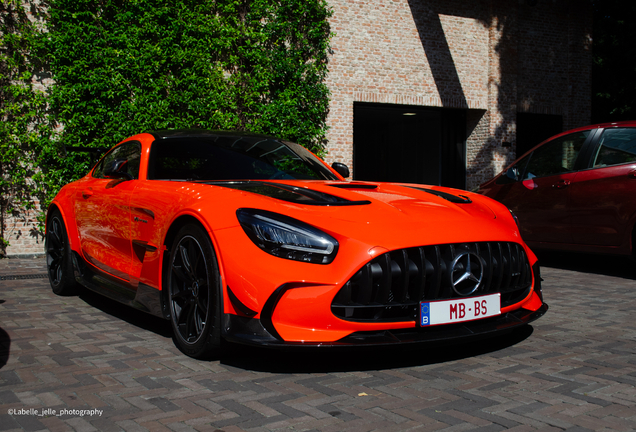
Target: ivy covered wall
{"points": [[121, 67]]}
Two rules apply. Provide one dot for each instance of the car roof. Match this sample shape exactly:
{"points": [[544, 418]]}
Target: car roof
{"points": [[200, 133], [628, 123]]}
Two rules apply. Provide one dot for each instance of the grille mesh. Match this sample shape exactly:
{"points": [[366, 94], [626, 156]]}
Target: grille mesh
{"points": [[391, 286]]}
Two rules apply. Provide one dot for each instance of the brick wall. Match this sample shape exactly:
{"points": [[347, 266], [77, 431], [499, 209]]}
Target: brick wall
{"points": [[21, 231], [554, 44], [493, 57]]}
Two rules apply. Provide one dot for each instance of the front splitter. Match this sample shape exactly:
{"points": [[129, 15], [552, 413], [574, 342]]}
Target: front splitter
{"points": [[250, 331]]}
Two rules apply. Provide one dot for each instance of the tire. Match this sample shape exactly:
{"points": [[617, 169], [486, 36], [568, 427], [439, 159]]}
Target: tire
{"points": [[194, 293], [59, 262]]}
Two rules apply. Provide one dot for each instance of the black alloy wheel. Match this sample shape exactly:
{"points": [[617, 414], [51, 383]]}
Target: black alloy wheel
{"points": [[58, 256], [193, 293]]}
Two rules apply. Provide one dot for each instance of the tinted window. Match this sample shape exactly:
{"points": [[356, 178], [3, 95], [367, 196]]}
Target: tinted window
{"points": [[617, 146], [130, 151], [233, 158], [555, 157]]}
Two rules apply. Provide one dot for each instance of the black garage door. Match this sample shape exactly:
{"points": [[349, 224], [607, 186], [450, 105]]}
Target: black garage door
{"points": [[403, 143]]}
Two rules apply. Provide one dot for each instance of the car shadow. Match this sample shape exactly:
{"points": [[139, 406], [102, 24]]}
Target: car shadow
{"points": [[329, 360], [5, 347], [608, 265], [317, 360], [132, 316]]}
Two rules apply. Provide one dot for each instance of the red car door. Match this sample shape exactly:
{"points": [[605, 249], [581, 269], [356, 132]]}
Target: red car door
{"points": [[102, 211], [602, 199], [540, 205], [540, 197]]}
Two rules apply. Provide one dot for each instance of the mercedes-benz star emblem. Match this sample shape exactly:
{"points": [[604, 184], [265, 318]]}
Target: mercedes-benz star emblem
{"points": [[467, 273]]}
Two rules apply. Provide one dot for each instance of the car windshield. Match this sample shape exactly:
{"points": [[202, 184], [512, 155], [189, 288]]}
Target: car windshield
{"points": [[233, 158]]}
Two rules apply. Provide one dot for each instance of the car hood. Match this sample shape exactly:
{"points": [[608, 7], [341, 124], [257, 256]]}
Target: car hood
{"points": [[409, 200], [390, 214]]}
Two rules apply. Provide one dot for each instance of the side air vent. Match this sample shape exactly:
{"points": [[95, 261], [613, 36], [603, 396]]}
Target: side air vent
{"points": [[390, 287]]}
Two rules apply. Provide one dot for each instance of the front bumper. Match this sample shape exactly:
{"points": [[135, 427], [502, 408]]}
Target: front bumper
{"points": [[251, 331]]}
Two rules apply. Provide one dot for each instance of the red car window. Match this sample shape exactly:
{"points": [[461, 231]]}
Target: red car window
{"points": [[555, 157], [617, 146]]}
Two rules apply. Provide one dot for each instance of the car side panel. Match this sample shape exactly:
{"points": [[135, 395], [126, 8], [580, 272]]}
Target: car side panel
{"points": [[601, 210], [103, 219], [541, 206]]}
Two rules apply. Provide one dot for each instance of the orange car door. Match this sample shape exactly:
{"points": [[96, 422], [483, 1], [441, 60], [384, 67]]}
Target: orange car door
{"points": [[102, 209]]}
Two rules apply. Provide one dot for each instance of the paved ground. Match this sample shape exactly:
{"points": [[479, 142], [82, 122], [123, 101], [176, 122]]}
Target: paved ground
{"points": [[113, 369]]}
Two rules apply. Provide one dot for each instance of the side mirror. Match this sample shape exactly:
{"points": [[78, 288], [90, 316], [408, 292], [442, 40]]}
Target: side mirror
{"points": [[511, 175], [117, 169], [341, 169]]}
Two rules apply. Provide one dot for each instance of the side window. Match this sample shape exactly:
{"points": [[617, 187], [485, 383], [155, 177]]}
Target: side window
{"points": [[130, 151], [555, 157], [617, 146]]}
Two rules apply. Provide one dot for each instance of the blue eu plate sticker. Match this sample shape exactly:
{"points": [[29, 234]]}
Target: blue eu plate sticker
{"points": [[425, 314]]}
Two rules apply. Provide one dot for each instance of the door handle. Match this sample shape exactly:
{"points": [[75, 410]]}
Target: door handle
{"points": [[87, 194], [561, 184], [631, 174]]}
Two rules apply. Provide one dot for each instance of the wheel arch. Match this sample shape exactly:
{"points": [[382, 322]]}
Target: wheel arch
{"points": [[71, 229], [168, 241]]}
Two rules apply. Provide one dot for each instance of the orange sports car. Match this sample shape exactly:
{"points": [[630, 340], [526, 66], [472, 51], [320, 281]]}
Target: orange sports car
{"points": [[252, 239]]}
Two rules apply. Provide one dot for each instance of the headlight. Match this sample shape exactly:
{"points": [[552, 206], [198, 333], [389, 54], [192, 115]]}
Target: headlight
{"points": [[286, 237]]}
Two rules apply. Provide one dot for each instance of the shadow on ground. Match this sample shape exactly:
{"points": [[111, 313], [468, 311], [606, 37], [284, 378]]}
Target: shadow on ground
{"points": [[317, 360], [329, 360], [132, 316], [608, 265], [5, 347]]}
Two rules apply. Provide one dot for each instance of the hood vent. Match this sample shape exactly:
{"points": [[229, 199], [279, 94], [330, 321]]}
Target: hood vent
{"points": [[457, 199], [365, 186], [289, 193]]}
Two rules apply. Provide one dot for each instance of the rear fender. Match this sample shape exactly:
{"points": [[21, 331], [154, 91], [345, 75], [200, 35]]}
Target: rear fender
{"points": [[68, 217]]}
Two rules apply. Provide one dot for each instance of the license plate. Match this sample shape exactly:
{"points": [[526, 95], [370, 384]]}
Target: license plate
{"points": [[459, 310]]}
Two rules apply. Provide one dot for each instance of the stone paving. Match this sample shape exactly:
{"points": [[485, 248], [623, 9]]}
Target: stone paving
{"points": [[87, 364]]}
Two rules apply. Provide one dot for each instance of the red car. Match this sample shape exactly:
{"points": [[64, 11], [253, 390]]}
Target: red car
{"points": [[253, 239], [575, 191]]}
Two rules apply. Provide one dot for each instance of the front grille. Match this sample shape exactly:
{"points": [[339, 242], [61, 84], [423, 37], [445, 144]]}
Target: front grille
{"points": [[390, 287]]}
